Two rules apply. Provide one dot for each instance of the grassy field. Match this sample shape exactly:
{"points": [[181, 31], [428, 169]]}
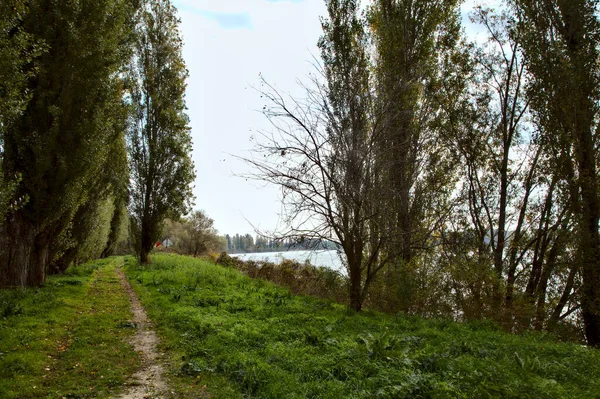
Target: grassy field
{"points": [[231, 337], [68, 338]]}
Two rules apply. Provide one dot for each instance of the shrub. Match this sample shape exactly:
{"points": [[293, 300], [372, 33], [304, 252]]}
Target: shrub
{"points": [[300, 278]]}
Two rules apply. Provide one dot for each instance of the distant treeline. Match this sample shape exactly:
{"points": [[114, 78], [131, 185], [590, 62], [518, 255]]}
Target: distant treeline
{"points": [[247, 243]]}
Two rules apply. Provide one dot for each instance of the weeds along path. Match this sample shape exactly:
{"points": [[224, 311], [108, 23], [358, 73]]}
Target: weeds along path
{"points": [[148, 382]]}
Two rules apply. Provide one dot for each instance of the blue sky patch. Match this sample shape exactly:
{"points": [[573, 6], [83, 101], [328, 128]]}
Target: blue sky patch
{"points": [[228, 20]]}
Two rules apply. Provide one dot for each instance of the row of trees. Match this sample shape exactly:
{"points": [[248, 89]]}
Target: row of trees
{"points": [[242, 243], [93, 132], [458, 177], [247, 243]]}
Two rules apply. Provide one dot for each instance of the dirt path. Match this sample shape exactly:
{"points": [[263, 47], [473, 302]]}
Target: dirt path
{"points": [[148, 382]]}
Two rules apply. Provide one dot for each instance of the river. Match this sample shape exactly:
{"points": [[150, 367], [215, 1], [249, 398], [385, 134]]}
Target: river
{"points": [[326, 258]]}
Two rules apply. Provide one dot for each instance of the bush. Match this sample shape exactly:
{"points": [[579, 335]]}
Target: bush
{"points": [[300, 278]]}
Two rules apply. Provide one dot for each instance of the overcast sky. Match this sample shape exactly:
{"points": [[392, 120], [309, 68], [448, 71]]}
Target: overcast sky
{"points": [[227, 44]]}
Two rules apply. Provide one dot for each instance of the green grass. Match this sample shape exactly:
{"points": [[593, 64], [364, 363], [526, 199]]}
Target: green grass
{"points": [[232, 337], [67, 339]]}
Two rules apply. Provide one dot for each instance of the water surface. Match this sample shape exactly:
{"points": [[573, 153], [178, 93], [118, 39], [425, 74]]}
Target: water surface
{"points": [[326, 258]]}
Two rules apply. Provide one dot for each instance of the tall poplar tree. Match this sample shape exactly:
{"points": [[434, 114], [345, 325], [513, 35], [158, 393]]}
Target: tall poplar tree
{"points": [[98, 219], [17, 50], [159, 136], [411, 38], [561, 45]]}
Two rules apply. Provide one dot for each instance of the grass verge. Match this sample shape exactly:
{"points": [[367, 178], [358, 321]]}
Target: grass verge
{"points": [[68, 338], [232, 337]]}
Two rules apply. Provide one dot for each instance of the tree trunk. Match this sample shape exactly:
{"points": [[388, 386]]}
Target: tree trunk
{"points": [[514, 259], [403, 157], [590, 245], [499, 244], [542, 287], [582, 115], [355, 293], [17, 244], [568, 29], [354, 271], [62, 264], [24, 256], [39, 265], [144, 258], [146, 244], [405, 224], [555, 317]]}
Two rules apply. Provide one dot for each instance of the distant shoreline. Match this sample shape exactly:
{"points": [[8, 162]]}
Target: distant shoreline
{"points": [[317, 257], [272, 250]]}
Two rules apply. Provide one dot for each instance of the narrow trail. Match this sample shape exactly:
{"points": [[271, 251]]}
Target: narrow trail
{"points": [[148, 382]]}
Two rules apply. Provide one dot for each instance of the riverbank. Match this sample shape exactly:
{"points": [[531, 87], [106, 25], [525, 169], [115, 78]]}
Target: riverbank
{"points": [[232, 337], [319, 258]]}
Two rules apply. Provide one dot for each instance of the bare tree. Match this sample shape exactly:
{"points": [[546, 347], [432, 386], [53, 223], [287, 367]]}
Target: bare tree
{"points": [[326, 180], [321, 153]]}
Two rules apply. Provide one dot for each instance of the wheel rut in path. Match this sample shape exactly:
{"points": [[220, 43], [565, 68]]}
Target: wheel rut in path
{"points": [[148, 382]]}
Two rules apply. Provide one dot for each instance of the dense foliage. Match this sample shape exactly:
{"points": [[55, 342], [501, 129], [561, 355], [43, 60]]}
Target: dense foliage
{"points": [[193, 235], [60, 142], [560, 45]]}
